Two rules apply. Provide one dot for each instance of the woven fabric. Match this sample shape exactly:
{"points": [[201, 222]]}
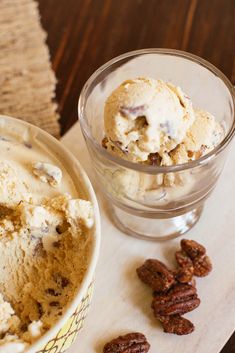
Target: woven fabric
{"points": [[27, 82]]}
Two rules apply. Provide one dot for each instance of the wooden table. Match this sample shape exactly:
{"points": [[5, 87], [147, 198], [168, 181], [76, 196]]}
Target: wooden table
{"points": [[84, 34]]}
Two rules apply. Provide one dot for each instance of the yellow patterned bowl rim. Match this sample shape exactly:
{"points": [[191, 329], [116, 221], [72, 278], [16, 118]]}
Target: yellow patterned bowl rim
{"points": [[57, 147]]}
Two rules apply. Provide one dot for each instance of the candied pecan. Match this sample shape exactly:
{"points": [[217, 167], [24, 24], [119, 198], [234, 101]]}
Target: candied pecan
{"points": [[202, 266], [192, 248], [184, 274], [156, 275], [183, 259], [131, 343], [180, 299], [178, 325]]}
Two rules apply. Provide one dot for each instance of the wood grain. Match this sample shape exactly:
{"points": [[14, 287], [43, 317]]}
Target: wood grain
{"points": [[84, 34]]}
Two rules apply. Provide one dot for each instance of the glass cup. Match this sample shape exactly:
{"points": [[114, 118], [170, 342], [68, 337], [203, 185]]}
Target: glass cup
{"points": [[148, 201]]}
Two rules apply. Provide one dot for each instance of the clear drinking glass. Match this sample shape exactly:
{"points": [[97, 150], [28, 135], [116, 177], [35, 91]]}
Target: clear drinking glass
{"points": [[158, 212]]}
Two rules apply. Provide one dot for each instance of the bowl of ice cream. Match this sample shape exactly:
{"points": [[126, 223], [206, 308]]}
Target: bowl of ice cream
{"points": [[157, 123], [50, 235]]}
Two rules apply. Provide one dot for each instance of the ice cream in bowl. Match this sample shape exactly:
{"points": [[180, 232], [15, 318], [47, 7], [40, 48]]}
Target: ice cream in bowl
{"points": [[157, 123], [50, 233]]}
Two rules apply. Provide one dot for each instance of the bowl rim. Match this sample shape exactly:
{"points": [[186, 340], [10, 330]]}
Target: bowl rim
{"points": [[149, 168], [96, 233]]}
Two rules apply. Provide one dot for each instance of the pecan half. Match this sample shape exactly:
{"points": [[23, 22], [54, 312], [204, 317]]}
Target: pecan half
{"points": [[177, 325], [192, 248], [130, 343], [180, 299], [202, 266], [184, 274], [183, 259], [156, 275]]}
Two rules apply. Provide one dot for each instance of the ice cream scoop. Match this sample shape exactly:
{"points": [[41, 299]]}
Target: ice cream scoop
{"points": [[204, 134], [144, 116], [153, 122]]}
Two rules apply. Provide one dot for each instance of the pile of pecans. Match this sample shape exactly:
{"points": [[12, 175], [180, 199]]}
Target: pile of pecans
{"points": [[174, 292]]}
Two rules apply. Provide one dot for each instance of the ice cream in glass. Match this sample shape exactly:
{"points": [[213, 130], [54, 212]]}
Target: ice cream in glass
{"points": [[157, 137]]}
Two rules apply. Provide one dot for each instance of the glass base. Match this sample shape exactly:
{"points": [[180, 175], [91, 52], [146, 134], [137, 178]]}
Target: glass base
{"points": [[155, 229]]}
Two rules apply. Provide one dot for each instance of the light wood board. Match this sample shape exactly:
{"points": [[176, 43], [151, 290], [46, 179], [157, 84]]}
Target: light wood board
{"points": [[121, 303]]}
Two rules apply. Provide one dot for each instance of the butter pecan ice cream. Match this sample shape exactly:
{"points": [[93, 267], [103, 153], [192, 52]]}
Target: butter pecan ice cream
{"points": [[45, 240], [152, 122], [145, 116]]}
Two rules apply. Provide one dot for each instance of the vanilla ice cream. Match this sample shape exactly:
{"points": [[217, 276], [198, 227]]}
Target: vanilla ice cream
{"points": [[45, 240]]}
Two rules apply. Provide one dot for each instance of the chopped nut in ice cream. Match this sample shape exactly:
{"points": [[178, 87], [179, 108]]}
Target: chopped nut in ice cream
{"points": [[48, 173]]}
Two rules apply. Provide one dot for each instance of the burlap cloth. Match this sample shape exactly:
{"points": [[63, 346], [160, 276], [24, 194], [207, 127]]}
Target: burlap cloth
{"points": [[27, 82]]}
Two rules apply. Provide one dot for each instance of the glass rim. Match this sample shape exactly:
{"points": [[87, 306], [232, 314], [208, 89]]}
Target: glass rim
{"points": [[144, 167]]}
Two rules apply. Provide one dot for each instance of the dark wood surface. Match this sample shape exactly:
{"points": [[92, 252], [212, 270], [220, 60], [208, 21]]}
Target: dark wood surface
{"points": [[84, 34]]}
